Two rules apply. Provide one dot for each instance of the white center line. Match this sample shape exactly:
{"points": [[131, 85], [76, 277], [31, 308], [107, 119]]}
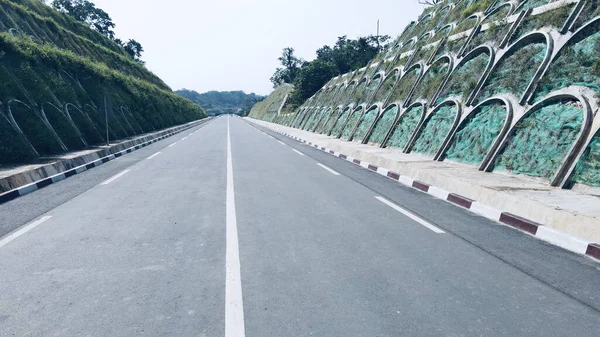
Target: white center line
{"points": [[298, 152], [410, 215], [173, 144], [7, 239], [234, 304], [154, 155], [115, 177], [280, 142], [328, 169]]}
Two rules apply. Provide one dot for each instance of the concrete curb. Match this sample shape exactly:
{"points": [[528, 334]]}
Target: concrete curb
{"points": [[39, 184], [535, 229]]}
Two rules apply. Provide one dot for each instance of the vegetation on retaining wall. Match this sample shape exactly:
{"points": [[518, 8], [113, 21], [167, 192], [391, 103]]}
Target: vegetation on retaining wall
{"points": [[541, 65]]}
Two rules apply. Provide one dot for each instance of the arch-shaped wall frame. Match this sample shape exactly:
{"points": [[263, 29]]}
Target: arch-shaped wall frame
{"points": [[402, 77], [401, 113], [501, 55], [560, 176]]}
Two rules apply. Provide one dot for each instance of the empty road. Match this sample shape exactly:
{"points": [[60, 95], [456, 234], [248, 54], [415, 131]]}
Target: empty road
{"points": [[231, 230]]}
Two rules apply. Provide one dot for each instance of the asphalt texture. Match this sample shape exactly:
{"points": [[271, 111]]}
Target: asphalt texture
{"points": [[145, 254]]}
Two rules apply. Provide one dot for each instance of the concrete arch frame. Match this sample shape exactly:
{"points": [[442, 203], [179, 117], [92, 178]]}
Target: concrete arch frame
{"points": [[335, 114], [458, 63], [329, 111], [401, 113], [510, 50], [561, 42], [577, 11], [67, 117], [395, 72], [426, 70], [40, 115], [9, 120], [340, 121], [403, 76], [466, 114], [360, 108], [379, 114], [428, 113], [561, 176]]}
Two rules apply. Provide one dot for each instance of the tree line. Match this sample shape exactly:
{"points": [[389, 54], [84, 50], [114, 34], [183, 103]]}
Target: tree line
{"points": [[99, 20], [309, 76]]}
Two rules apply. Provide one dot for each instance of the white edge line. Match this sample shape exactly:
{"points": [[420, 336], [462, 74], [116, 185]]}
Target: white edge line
{"points": [[115, 177], [280, 142], [298, 152], [154, 155], [410, 215], [328, 169], [7, 239], [173, 144]]}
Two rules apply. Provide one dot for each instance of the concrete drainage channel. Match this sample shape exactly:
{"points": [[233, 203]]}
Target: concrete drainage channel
{"points": [[535, 229], [116, 152]]}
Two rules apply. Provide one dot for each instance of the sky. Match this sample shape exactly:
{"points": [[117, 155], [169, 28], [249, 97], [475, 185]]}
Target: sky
{"points": [[229, 45]]}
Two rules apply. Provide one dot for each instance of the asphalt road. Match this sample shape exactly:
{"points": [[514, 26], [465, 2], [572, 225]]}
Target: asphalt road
{"points": [[232, 231]]}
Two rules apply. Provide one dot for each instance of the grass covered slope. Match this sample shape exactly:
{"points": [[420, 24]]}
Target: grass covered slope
{"points": [[269, 107], [504, 86], [56, 75]]}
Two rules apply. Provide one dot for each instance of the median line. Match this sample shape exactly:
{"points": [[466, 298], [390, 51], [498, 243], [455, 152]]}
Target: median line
{"points": [[115, 177], [7, 239], [410, 215], [329, 169]]}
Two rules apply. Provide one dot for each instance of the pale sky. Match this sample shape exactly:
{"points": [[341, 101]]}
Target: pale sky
{"points": [[234, 44]]}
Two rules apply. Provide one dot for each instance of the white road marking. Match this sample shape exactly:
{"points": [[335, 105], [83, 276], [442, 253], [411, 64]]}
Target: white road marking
{"points": [[7, 239], [328, 169], [298, 152], [172, 144], [115, 177], [234, 304], [154, 155], [184, 138], [280, 142], [410, 215]]}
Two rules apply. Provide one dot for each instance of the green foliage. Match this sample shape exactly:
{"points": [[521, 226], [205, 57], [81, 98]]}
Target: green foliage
{"points": [[591, 10], [588, 168], [577, 64], [435, 130], [386, 88], [340, 122], [431, 82], [464, 26], [475, 137], [514, 72], [541, 140], [291, 64], [310, 79], [85, 11], [404, 86], [274, 99], [464, 78], [365, 124], [331, 121], [405, 127], [220, 102], [351, 124], [383, 125], [555, 18]]}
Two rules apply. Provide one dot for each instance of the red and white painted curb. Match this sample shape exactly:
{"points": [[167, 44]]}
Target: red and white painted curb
{"points": [[533, 228]]}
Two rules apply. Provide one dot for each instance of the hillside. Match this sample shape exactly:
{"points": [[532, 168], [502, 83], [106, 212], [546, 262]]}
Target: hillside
{"points": [[508, 87], [57, 73], [220, 102]]}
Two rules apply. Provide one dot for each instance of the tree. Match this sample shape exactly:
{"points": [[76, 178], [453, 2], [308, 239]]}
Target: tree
{"points": [[134, 49], [85, 11], [291, 64], [311, 77]]}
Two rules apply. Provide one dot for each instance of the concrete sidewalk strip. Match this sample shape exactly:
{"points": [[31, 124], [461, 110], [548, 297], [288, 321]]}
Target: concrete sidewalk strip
{"points": [[533, 228], [34, 186]]}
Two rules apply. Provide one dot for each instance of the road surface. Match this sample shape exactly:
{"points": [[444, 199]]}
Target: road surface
{"points": [[231, 230]]}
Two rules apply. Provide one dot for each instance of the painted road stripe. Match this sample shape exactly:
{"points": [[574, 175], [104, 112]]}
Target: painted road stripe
{"points": [[410, 215], [280, 142], [115, 177], [154, 155], [328, 169], [172, 144], [7, 239], [234, 304], [298, 152], [184, 138]]}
